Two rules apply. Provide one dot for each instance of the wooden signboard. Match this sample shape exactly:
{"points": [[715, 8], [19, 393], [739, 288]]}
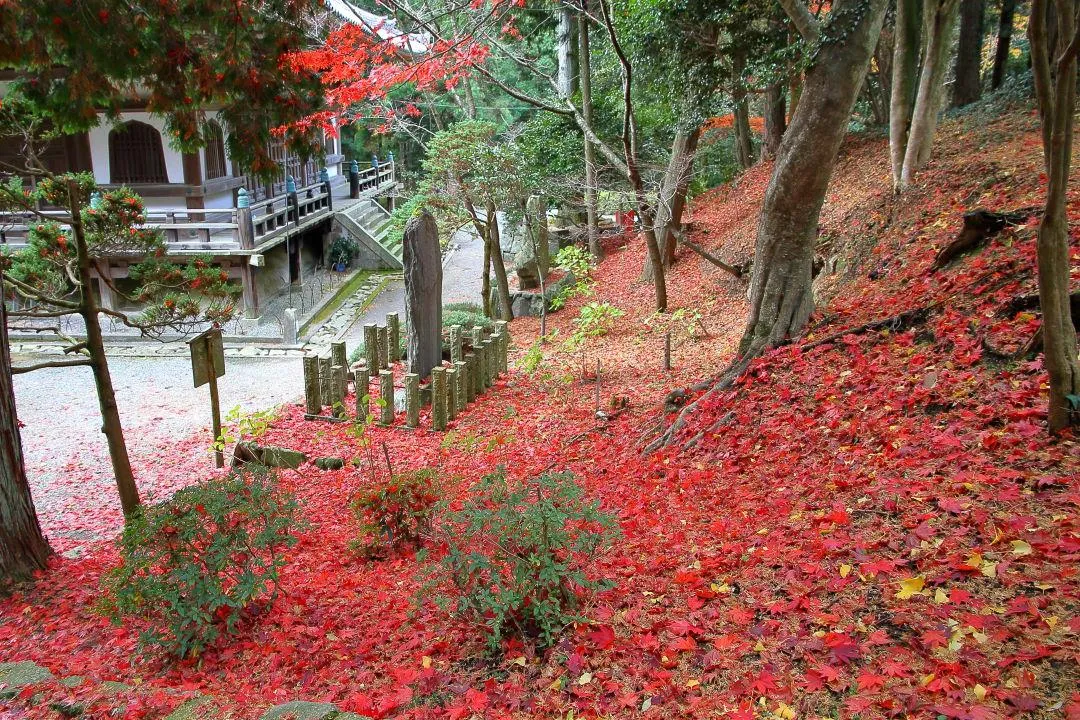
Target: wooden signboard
{"points": [[207, 356], [207, 365]]}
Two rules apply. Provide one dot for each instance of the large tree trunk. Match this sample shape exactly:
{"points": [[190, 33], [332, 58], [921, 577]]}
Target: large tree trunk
{"points": [[905, 68], [1054, 69], [780, 292], [744, 147], [967, 87], [501, 281], [592, 211], [566, 46], [633, 168], [1001, 51], [422, 263], [775, 121], [938, 19], [672, 199], [23, 549], [95, 345]]}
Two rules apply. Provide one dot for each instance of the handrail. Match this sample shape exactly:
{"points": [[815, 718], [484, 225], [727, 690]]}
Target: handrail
{"points": [[270, 217]]}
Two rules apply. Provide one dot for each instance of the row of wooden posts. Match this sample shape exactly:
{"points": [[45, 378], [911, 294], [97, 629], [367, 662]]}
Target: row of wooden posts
{"points": [[450, 391]]}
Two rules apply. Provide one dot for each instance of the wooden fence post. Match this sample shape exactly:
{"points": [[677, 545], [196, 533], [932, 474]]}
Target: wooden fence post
{"points": [[361, 381], [438, 397], [412, 400], [472, 384], [462, 378], [393, 323], [451, 393], [386, 393], [312, 398], [371, 349], [455, 343]]}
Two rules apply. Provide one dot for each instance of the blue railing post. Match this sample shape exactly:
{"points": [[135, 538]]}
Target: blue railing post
{"points": [[324, 178], [291, 201], [354, 180]]}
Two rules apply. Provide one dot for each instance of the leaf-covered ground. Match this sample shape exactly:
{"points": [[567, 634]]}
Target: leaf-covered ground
{"points": [[876, 526]]}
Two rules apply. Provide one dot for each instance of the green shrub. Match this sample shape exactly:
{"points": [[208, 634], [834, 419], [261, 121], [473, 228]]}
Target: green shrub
{"points": [[192, 564], [516, 556], [467, 320], [594, 319], [396, 512], [469, 307]]}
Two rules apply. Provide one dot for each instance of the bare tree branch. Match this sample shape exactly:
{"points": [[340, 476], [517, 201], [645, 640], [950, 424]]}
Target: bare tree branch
{"points": [[19, 370], [807, 25]]}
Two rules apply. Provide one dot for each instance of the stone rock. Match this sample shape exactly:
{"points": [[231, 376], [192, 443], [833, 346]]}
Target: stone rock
{"points": [[190, 710], [111, 687], [329, 463], [301, 710], [72, 682], [17, 675], [269, 456], [527, 303], [422, 260]]}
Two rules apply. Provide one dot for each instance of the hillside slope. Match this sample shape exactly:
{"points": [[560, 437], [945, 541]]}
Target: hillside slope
{"points": [[876, 526]]}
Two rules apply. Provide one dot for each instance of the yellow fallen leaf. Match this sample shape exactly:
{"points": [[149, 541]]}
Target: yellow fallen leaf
{"points": [[911, 587], [785, 712], [759, 648], [520, 660], [425, 662], [989, 569], [1052, 621], [585, 679], [557, 685], [941, 597], [692, 683], [974, 560], [845, 570], [980, 691], [1020, 547], [926, 679]]}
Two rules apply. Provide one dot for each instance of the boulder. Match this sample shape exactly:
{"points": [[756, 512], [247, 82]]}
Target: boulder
{"points": [[16, 675], [301, 710], [329, 463], [269, 456]]}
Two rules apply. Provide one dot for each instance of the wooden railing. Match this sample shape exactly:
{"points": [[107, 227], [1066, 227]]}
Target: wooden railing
{"points": [[225, 229]]}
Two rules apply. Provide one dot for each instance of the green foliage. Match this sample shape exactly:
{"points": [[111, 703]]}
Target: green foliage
{"points": [[184, 55], [517, 556], [395, 512], [191, 565], [469, 307], [244, 426], [113, 222], [578, 261], [467, 320], [594, 319], [684, 324], [342, 249]]}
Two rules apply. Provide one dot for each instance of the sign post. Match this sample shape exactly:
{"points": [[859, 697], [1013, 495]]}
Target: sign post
{"points": [[207, 365]]}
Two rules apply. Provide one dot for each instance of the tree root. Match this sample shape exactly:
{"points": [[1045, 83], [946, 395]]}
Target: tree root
{"points": [[726, 379], [901, 321], [979, 226], [739, 271]]}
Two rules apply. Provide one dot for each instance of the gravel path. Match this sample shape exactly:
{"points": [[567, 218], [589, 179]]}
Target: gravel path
{"points": [[166, 422]]}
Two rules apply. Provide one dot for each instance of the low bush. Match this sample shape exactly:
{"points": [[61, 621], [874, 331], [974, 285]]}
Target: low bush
{"points": [[517, 556], [396, 512], [191, 565], [467, 320]]}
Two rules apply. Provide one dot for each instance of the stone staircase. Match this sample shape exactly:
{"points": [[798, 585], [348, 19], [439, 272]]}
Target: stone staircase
{"points": [[369, 224]]}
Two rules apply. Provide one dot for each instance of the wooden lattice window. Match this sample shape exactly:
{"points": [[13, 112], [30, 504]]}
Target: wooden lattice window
{"points": [[135, 155], [215, 151]]}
